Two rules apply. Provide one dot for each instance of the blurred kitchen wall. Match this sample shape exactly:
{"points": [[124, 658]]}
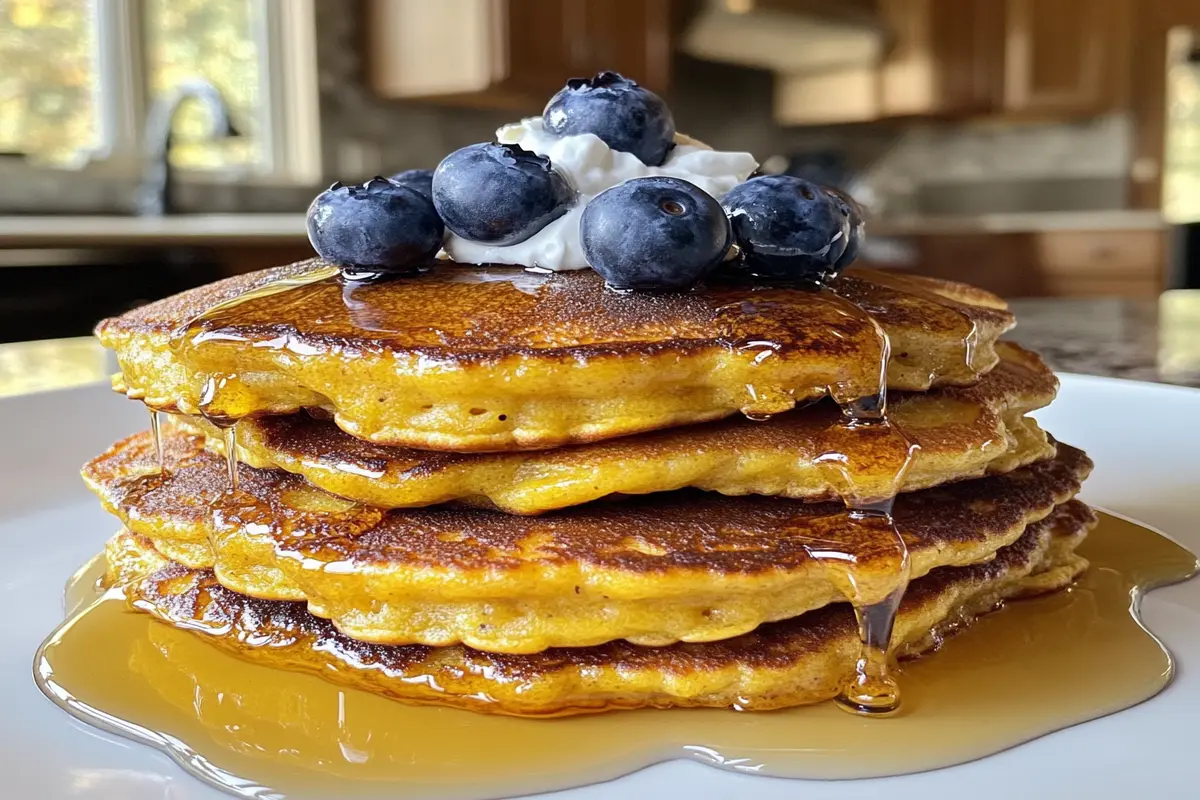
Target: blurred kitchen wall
{"points": [[1022, 144], [363, 134], [906, 166]]}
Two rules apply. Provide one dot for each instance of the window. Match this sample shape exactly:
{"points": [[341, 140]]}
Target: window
{"points": [[215, 40], [1181, 157], [48, 83], [79, 77]]}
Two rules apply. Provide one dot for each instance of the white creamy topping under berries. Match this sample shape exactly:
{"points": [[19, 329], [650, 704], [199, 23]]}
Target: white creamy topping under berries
{"points": [[591, 166]]}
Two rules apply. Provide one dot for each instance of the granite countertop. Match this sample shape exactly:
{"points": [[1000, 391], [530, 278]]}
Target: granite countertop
{"points": [[1143, 340]]}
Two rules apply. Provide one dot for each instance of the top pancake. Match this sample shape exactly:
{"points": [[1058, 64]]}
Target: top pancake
{"points": [[478, 359]]}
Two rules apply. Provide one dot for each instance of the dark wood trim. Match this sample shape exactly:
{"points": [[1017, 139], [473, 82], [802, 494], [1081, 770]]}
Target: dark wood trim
{"points": [[1150, 24]]}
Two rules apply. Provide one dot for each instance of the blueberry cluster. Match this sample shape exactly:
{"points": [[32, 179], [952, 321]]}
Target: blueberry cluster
{"points": [[650, 233]]}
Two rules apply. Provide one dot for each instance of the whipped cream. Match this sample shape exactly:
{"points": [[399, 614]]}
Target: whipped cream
{"points": [[591, 166]]}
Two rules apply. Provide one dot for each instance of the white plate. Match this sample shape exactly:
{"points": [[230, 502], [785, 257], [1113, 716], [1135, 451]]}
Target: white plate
{"points": [[1144, 439]]}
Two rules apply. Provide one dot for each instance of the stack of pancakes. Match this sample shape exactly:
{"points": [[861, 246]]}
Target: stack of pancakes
{"points": [[528, 494]]}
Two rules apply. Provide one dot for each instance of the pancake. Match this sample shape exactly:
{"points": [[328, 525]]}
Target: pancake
{"points": [[685, 565], [797, 661], [958, 432], [489, 359]]}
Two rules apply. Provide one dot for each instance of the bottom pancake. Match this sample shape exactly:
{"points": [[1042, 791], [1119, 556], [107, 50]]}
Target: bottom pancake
{"points": [[802, 660]]}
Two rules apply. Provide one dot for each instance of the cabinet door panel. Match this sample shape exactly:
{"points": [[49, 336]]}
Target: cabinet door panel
{"points": [[1064, 56], [945, 57], [535, 44], [632, 37], [512, 54]]}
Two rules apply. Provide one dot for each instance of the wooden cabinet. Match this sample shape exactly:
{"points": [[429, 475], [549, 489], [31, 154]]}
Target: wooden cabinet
{"points": [[970, 58], [943, 59], [1064, 57], [941, 62], [1055, 263], [828, 98], [511, 54]]}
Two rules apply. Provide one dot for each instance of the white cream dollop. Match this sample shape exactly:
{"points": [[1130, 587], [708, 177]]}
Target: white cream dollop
{"points": [[591, 166]]}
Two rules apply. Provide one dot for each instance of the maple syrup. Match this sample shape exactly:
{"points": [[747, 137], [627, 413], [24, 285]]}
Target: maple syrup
{"points": [[862, 394], [156, 434], [873, 691], [84, 586], [306, 312], [1048, 663], [861, 391], [229, 442], [956, 323], [224, 399]]}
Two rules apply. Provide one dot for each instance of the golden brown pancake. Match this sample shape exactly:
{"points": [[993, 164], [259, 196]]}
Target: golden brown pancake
{"points": [[797, 661], [491, 359], [958, 433], [685, 565]]}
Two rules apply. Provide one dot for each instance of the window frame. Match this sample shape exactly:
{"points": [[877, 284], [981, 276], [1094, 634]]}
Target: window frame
{"points": [[289, 122]]}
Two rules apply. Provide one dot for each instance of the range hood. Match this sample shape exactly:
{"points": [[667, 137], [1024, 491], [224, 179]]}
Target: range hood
{"points": [[790, 36]]}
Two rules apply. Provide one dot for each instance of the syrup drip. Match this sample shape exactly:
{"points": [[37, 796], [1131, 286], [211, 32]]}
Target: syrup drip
{"points": [[229, 436], [968, 336], [224, 399], [845, 321], [873, 691], [217, 408], [156, 434], [1036, 666]]}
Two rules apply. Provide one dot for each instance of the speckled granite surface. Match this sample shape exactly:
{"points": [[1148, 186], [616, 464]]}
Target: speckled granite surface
{"points": [[1143, 340]]}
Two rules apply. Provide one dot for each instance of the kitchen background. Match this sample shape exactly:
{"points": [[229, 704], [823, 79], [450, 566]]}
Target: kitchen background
{"points": [[1038, 148]]}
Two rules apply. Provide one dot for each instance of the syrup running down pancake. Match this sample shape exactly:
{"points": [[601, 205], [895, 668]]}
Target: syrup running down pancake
{"points": [[487, 359], [656, 569], [794, 662], [957, 433]]}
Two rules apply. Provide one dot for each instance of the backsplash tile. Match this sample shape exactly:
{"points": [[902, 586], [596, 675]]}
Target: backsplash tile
{"points": [[1081, 165]]}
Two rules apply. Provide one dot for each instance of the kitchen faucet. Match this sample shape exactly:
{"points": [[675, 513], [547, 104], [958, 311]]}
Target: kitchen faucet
{"points": [[153, 197]]}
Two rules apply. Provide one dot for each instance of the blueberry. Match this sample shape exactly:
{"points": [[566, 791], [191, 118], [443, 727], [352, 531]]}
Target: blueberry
{"points": [[499, 193], [857, 227], [625, 116], [419, 179], [788, 228], [379, 226], [654, 233]]}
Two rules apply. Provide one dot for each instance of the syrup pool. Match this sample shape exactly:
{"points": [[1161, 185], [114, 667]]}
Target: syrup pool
{"points": [[1034, 667]]}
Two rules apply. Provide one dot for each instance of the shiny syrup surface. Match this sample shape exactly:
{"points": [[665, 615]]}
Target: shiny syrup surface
{"points": [[845, 312], [861, 392], [1033, 667]]}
